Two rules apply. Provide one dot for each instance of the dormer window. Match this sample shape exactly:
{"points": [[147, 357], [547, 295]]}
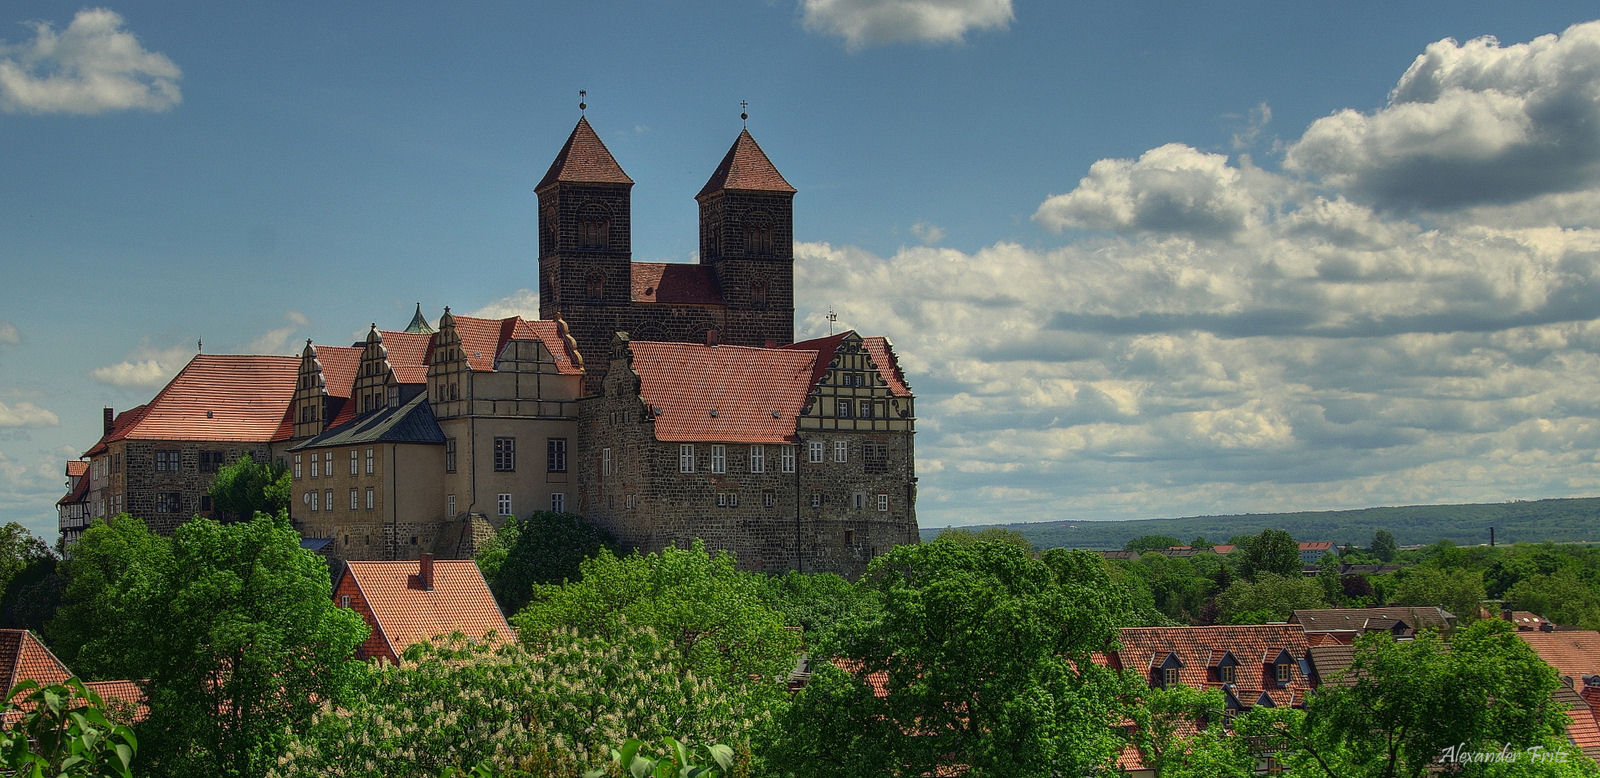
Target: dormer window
{"points": [[1167, 670], [1227, 674], [1285, 673], [1169, 677]]}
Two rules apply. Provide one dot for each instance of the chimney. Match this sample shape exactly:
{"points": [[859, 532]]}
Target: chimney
{"points": [[1491, 537], [711, 337], [106, 418], [424, 577]]}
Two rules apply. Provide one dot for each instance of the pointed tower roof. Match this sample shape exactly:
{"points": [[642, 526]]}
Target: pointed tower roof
{"points": [[746, 167], [418, 325], [584, 160]]}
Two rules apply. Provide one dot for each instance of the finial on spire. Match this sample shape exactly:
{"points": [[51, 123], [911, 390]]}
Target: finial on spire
{"points": [[200, 345], [744, 115], [832, 317], [583, 102]]}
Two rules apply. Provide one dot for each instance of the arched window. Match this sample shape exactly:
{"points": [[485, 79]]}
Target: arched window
{"points": [[758, 237], [595, 287], [758, 294], [594, 227]]}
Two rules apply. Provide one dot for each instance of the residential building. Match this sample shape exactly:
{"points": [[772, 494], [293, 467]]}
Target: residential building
{"points": [[72, 510], [408, 602], [23, 657], [1344, 625]]}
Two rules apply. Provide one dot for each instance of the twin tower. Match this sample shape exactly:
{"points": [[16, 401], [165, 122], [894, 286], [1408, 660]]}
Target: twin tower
{"points": [[740, 293]]}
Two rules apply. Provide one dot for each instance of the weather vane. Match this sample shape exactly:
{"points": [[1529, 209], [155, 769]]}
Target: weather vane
{"points": [[832, 317], [583, 104], [744, 116]]}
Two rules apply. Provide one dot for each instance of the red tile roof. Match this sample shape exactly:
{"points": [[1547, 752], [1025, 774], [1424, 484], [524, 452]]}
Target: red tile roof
{"points": [[584, 159], [122, 694], [23, 657], [119, 428], [746, 168], [339, 367], [1316, 545], [76, 468], [402, 615], [1527, 621], [482, 340], [730, 394], [1574, 653], [825, 347], [78, 493], [1362, 619], [408, 355], [1198, 649], [216, 397], [675, 283]]}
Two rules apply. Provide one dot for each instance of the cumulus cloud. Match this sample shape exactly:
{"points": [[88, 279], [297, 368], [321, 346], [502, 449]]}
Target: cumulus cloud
{"points": [[93, 66], [9, 335], [864, 23], [523, 302], [278, 339], [26, 414], [145, 367], [1171, 189], [1469, 124], [928, 233]]}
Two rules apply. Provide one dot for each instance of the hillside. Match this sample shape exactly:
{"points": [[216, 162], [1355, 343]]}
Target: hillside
{"points": [[1573, 519]]}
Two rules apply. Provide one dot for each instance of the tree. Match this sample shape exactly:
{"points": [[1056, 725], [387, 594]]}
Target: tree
{"points": [[1561, 597], [1201, 543], [1328, 578], [1128, 597], [544, 548], [20, 550], [1459, 591], [1269, 598], [233, 626], [1273, 551], [986, 535], [62, 730], [1147, 543], [816, 602], [29, 585], [984, 661], [1177, 588], [247, 487], [1160, 716], [1383, 546]]}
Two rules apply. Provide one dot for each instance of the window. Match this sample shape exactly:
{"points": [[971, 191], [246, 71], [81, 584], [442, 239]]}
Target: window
{"points": [[316, 465], [849, 537], [1169, 677], [758, 234], [858, 500], [166, 461], [355, 499], [555, 455], [327, 464], [558, 502], [296, 465], [816, 499], [210, 461], [1285, 672], [505, 505], [722, 500], [594, 227], [719, 458], [205, 503], [327, 499], [605, 461], [866, 409], [758, 459], [633, 501], [505, 456], [369, 498], [116, 464], [1227, 673], [841, 408], [449, 455], [883, 503], [344, 601], [874, 457], [758, 294], [168, 502], [369, 461], [595, 285], [355, 464], [786, 459], [841, 450], [686, 458], [733, 499], [315, 503], [768, 499], [814, 452], [450, 506]]}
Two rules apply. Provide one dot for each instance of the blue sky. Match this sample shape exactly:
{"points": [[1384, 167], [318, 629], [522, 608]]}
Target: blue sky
{"points": [[1139, 259]]}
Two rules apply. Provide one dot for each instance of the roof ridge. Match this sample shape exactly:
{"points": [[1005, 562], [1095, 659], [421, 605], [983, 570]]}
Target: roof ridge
{"points": [[584, 158]]}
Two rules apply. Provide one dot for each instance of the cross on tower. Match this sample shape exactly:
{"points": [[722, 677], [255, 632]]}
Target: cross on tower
{"points": [[744, 116], [583, 104]]}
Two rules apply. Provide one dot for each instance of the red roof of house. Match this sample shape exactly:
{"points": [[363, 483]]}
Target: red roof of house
{"points": [[76, 468], [23, 657], [408, 355], [882, 353], [584, 159], [675, 283], [1198, 650], [126, 693], [482, 340], [119, 428], [746, 167], [404, 615], [1574, 653], [216, 397], [1527, 621], [732, 394], [1316, 545], [78, 493]]}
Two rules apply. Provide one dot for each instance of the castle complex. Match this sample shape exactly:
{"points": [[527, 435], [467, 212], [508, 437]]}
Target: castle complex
{"points": [[662, 401]]}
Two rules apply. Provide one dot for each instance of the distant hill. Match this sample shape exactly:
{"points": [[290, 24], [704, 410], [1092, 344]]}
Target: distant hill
{"points": [[1534, 521]]}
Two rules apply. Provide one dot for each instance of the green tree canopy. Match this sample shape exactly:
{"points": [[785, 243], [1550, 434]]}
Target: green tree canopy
{"points": [[114, 571], [1562, 597], [1269, 598], [817, 602], [1147, 543], [544, 548], [247, 487], [1457, 590], [986, 535], [1383, 546], [1273, 551], [984, 656]]}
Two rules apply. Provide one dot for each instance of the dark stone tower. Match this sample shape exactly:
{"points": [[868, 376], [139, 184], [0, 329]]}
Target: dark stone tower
{"points": [[585, 242], [747, 239]]}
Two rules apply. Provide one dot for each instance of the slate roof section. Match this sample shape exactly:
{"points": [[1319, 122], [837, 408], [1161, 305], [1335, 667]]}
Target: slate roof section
{"points": [[1574, 654], [584, 159], [217, 397], [674, 283], [412, 422], [746, 168], [403, 615], [1253, 645], [725, 394], [1418, 618]]}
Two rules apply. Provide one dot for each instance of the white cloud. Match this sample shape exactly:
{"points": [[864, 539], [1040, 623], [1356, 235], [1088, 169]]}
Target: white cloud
{"points": [[1469, 124], [92, 67], [26, 414], [1171, 189], [145, 367], [9, 334], [523, 302], [864, 23], [929, 234], [278, 340]]}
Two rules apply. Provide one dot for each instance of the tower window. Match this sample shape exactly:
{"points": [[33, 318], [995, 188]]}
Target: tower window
{"points": [[758, 294], [594, 228], [758, 234], [595, 287]]}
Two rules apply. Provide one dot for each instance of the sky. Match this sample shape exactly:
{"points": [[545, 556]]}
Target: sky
{"points": [[1138, 259]]}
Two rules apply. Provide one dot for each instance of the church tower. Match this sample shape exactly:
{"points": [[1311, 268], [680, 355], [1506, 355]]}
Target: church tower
{"points": [[585, 243], [747, 238]]}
